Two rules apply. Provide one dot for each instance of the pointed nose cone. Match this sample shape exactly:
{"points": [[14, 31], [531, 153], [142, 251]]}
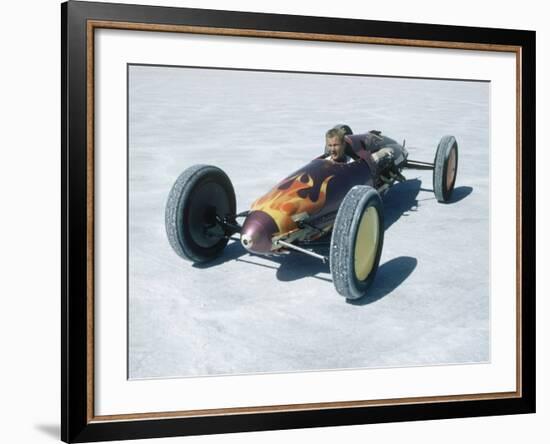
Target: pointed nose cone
{"points": [[257, 231]]}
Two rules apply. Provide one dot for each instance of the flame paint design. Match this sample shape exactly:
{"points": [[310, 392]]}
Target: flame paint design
{"points": [[293, 195]]}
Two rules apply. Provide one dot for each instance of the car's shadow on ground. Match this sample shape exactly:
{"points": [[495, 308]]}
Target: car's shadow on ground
{"points": [[400, 200], [233, 251], [459, 193], [298, 266], [390, 275]]}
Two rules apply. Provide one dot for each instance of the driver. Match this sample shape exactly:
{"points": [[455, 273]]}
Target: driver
{"points": [[335, 146]]}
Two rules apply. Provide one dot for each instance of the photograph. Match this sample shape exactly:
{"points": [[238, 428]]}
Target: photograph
{"points": [[284, 221]]}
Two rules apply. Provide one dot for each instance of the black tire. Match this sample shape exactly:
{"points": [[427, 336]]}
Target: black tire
{"points": [[199, 193], [445, 168], [361, 209]]}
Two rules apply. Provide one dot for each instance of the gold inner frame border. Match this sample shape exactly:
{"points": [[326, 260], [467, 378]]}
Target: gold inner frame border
{"points": [[92, 25]]}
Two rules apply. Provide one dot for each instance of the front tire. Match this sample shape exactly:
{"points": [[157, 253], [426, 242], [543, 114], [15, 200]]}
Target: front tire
{"points": [[445, 168], [200, 193], [357, 240]]}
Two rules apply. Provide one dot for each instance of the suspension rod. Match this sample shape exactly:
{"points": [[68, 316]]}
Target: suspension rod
{"points": [[417, 165], [303, 250]]}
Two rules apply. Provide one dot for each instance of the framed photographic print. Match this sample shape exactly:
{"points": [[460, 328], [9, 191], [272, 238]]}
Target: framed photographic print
{"points": [[275, 221]]}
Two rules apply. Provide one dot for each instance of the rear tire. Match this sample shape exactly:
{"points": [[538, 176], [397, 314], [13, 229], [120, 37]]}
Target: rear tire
{"points": [[199, 194], [357, 240], [445, 168]]}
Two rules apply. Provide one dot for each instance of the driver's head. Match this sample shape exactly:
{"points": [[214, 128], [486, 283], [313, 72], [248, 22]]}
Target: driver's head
{"points": [[335, 144]]}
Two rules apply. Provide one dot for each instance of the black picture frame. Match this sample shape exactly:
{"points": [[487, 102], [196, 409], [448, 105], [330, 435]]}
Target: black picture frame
{"points": [[77, 420]]}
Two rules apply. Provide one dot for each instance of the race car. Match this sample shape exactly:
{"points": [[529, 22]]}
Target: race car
{"points": [[336, 203]]}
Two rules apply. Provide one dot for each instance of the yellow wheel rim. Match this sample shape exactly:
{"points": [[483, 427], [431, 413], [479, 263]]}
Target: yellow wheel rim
{"points": [[366, 243]]}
